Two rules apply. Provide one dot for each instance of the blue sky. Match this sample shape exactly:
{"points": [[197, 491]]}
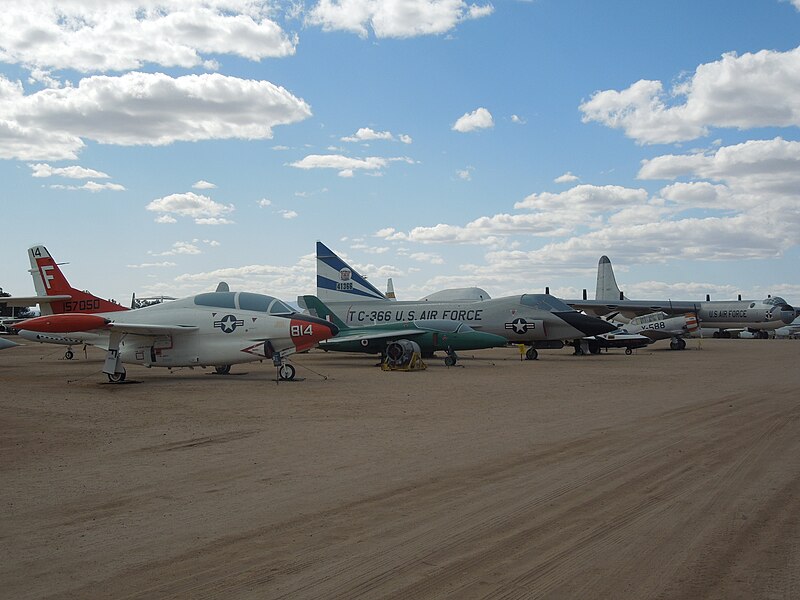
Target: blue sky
{"points": [[159, 147]]}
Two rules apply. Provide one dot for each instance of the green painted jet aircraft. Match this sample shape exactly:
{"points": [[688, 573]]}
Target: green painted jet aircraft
{"points": [[431, 335]]}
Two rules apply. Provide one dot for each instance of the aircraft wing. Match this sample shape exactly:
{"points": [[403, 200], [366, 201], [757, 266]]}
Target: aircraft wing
{"points": [[376, 335], [4, 343], [145, 329], [25, 301], [632, 308]]}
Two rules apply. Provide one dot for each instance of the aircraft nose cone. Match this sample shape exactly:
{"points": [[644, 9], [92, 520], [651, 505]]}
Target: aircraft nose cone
{"points": [[584, 323]]}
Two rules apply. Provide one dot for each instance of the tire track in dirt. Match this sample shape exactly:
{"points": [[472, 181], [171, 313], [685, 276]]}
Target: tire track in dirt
{"points": [[492, 499]]}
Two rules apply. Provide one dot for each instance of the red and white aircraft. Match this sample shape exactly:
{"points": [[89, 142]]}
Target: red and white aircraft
{"points": [[212, 329]]}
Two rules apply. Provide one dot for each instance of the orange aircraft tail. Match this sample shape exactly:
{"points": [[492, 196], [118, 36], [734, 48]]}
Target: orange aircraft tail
{"points": [[50, 281]]}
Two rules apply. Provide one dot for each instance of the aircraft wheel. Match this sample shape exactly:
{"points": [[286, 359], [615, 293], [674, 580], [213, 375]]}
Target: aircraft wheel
{"points": [[531, 354], [117, 377], [450, 361], [69, 355], [675, 345], [628, 351], [716, 334], [286, 372], [222, 369], [681, 344]]}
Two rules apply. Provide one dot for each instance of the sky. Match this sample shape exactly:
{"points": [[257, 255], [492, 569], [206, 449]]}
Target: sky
{"points": [[159, 147]]}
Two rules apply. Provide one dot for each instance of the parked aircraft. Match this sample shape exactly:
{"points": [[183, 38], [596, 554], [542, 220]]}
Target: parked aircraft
{"points": [[430, 335], [211, 329], [751, 315], [536, 320], [660, 326]]}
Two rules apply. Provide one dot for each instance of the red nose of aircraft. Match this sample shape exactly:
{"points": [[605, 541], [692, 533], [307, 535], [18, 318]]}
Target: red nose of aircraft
{"points": [[307, 331]]}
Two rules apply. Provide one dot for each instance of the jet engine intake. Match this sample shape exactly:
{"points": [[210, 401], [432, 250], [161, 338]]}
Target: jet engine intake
{"points": [[400, 352]]}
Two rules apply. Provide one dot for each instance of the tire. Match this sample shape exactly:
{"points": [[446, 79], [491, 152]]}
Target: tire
{"points": [[69, 355], [681, 344], [628, 351], [531, 354], [450, 361], [222, 369], [675, 345], [117, 377], [286, 372]]}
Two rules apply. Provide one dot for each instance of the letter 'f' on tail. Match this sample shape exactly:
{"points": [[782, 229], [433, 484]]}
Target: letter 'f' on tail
{"points": [[607, 288], [50, 281]]}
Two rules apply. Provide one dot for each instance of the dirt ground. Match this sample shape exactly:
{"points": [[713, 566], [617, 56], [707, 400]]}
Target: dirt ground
{"points": [[658, 475]]}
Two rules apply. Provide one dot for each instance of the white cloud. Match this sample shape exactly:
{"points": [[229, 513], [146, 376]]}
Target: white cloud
{"points": [[752, 90], [138, 109], [71, 172], [394, 18], [202, 209], [480, 118], [288, 214], [158, 265], [567, 177], [179, 248], [518, 120], [346, 165], [365, 134], [203, 185], [126, 34], [263, 203], [427, 257], [91, 186], [465, 174]]}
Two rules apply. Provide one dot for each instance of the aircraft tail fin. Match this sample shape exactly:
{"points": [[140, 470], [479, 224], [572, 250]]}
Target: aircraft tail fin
{"points": [[50, 281], [390, 289], [318, 308], [339, 282], [607, 288]]}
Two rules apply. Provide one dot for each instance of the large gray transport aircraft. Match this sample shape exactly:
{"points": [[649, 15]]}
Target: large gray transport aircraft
{"points": [[756, 316], [536, 320]]}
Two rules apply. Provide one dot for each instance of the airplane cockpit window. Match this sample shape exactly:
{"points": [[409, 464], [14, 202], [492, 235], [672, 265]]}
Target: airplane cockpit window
{"points": [[774, 301], [216, 299], [257, 302], [279, 307], [545, 302]]}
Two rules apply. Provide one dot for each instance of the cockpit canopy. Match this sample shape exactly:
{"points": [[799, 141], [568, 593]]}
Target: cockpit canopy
{"points": [[244, 301], [774, 301], [545, 302]]}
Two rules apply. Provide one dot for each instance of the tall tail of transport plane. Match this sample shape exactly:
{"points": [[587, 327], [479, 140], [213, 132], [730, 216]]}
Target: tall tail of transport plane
{"points": [[339, 282], [50, 283], [607, 288]]}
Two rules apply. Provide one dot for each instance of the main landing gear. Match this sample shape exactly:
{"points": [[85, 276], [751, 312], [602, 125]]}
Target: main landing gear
{"points": [[222, 369], [677, 344], [116, 377], [451, 359], [531, 353]]}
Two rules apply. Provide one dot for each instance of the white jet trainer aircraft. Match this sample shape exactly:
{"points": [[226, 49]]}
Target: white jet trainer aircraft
{"points": [[211, 329]]}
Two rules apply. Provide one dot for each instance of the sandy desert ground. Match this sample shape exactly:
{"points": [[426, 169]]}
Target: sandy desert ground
{"points": [[658, 475]]}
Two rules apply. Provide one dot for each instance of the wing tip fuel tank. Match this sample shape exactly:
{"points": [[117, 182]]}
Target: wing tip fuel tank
{"points": [[63, 323]]}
